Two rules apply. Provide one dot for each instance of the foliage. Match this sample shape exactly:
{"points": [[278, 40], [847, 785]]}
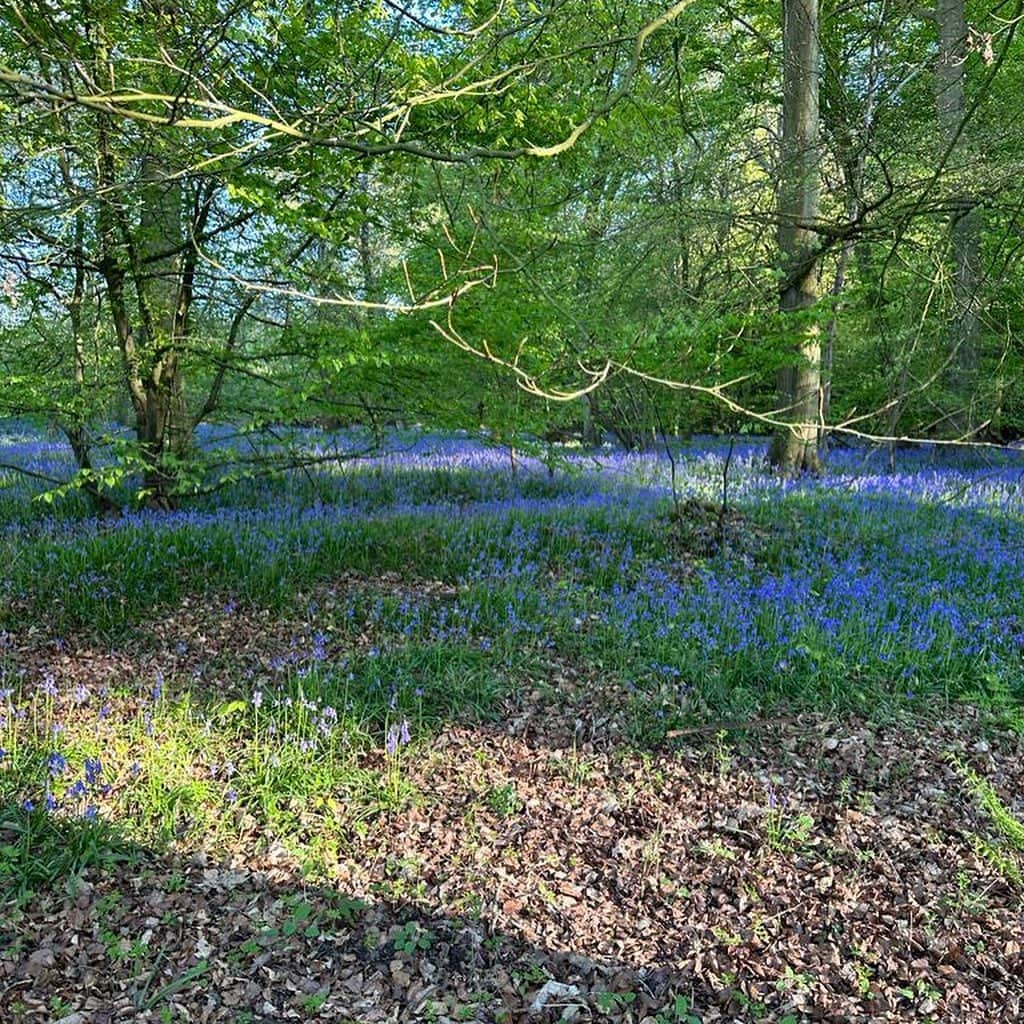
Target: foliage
{"points": [[276, 215]]}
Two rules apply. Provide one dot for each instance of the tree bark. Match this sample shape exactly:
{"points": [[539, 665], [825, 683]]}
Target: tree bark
{"points": [[165, 427], [794, 448]]}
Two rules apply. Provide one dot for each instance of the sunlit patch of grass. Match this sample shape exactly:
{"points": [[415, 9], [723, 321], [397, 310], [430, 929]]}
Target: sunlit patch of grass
{"points": [[302, 757]]}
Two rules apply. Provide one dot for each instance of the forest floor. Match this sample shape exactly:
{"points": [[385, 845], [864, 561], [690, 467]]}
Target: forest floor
{"points": [[534, 865]]}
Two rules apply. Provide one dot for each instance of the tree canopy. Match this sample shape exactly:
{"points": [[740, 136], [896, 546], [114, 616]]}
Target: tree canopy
{"points": [[535, 217]]}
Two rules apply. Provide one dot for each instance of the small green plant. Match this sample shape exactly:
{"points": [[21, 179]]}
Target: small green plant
{"points": [[577, 767], [411, 938], [785, 831], [713, 848], [148, 1001], [1006, 853], [863, 974], [966, 899], [863, 970], [504, 800], [722, 753], [921, 991], [59, 1008], [315, 1002], [614, 1002], [677, 1012], [345, 908], [301, 921], [792, 981], [754, 1007], [726, 937], [530, 976]]}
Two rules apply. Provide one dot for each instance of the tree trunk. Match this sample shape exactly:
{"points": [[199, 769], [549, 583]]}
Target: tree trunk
{"points": [[146, 254], [965, 219], [794, 448], [164, 427]]}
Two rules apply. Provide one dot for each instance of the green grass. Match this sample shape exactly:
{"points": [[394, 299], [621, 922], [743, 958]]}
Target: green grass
{"points": [[1004, 849]]}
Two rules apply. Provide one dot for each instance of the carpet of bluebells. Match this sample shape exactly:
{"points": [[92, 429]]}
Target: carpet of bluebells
{"points": [[889, 586]]}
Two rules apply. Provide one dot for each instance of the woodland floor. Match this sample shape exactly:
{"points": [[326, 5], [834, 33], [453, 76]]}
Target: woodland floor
{"points": [[803, 868]]}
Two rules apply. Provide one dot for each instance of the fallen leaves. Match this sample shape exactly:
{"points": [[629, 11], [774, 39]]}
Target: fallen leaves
{"points": [[547, 871]]}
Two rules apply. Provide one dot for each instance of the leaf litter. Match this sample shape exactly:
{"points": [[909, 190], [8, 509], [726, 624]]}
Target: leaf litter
{"points": [[810, 869]]}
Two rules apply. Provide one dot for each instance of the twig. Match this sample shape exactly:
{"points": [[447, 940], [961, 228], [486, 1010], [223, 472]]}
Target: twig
{"points": [[732, 726]]}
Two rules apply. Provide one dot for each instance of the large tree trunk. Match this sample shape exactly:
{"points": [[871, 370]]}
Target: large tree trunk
{"points": [[965, 219], [794, 448], [164, 427], [149, 255]]}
